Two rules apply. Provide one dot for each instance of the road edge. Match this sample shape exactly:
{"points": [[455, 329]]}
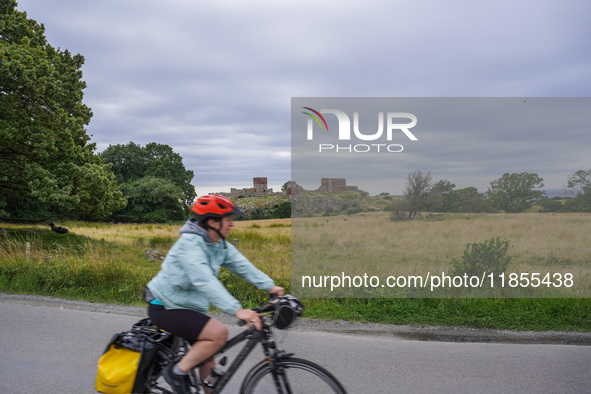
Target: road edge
{"points": [[403, 332]]}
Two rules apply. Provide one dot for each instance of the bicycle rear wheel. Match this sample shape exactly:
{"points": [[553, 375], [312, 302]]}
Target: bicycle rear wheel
{"points": [[295, 376]]}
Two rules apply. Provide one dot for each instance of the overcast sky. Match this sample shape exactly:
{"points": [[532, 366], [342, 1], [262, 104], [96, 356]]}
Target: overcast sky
{"points": [[214, 80]]}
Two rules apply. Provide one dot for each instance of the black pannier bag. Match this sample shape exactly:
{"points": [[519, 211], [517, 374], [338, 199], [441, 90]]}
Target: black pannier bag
{"points": [[128, 359]]}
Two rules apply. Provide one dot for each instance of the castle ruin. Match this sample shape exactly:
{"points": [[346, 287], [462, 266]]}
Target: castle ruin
{"points": [[335, 185], [259, 188]]}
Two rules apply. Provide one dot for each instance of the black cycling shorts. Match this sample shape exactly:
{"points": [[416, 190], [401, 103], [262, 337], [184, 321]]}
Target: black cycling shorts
{"points": [[184, 323]]}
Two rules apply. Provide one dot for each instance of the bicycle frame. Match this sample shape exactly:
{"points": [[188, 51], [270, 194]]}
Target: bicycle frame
{"points": [[253, 338]]}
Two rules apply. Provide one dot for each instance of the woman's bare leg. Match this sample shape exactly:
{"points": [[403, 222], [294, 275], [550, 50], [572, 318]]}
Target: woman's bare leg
{"points": [[211, 339]]}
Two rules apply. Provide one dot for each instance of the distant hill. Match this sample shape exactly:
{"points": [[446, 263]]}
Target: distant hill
{"points": [[339, 203], [272, 206], [311, 204]]}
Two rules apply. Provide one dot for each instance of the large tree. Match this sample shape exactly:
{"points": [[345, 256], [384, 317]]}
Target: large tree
{"points": [[47, 165], [417, 196], [579, 182], [439, 194], [417, 192], [135, 167], [515, 192], [128, 162], [579, 185], [163, 162], [152, 199]]}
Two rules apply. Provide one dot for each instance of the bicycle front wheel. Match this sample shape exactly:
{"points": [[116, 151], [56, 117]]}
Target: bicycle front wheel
{"points": [[294, 376]]}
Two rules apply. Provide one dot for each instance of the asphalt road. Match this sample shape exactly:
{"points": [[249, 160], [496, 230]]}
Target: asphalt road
{"points": [[52, 346]]}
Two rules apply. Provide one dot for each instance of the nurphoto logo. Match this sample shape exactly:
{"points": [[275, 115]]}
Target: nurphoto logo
{"points": [[394, 124]]}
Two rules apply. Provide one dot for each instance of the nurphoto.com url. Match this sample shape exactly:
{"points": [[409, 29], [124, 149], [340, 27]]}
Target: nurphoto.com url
{"points": [[435, 281]]}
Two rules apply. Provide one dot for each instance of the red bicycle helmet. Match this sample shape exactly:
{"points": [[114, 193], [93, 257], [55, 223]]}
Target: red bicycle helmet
{"points": [[214, 206]]}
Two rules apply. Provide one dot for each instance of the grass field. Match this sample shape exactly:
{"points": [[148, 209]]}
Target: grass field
{"points": [[371, 243], [107, 263]]}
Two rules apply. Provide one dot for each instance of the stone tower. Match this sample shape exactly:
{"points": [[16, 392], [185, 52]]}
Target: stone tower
{"points": [[260, 184]]}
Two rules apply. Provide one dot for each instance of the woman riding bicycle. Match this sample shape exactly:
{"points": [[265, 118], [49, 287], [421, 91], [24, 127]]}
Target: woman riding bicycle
{"points": [[187, 283]]}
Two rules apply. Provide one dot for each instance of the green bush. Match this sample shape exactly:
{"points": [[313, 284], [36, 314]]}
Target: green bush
{"points": [[484, 257]]}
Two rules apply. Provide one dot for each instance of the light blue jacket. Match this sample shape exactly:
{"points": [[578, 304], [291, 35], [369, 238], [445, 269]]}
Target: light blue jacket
{"points": [[188, 277]]}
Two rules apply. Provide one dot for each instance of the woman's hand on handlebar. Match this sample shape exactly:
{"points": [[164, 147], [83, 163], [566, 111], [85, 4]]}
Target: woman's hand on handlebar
{"points": [[250, 317], [280, 291]]}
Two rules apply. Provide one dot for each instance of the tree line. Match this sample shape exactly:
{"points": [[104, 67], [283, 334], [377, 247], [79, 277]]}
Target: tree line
{"points": [[48, 167], [511, 193]]}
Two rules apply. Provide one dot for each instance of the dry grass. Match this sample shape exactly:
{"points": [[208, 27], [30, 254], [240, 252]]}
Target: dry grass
{"points": [[267, 244], [371, 243], [107, 262], [364, 243]]}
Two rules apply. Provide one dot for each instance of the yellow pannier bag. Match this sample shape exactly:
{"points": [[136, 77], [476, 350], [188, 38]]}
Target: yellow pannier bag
{"points": [[129, 358], [117, 370]]}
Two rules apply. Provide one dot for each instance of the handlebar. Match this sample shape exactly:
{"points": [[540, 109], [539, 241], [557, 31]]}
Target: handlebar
{"points": [[266, 307], [269, 305]]}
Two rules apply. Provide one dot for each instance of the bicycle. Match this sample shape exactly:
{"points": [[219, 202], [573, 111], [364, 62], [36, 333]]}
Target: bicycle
{"points": [[279, 372]]}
